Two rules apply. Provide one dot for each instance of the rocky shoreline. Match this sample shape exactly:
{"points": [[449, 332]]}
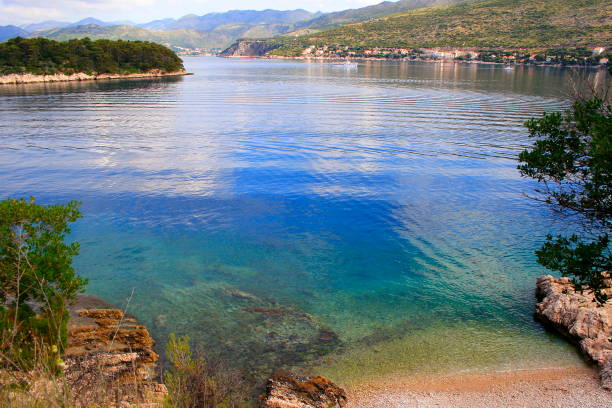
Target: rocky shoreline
{"points": [[418, 60], [445, 55], [576, 316], [106, 346], [18, 79], [285, 390], [110, 350]]}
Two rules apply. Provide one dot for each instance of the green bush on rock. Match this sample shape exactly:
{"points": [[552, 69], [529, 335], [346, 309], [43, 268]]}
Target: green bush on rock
{"points": [[37, 280]]}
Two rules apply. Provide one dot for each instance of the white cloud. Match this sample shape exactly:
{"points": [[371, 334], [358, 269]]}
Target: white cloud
{"points": [[29, 11], [77, 3]]}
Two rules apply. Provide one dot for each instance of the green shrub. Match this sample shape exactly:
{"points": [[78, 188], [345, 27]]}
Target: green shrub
{"points": [[43, 56], [37, 280], [194, 383]]}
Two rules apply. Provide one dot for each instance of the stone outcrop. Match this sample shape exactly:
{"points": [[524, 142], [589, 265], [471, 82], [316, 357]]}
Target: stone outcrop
{"points": [[110, 351], [248, 48], [13, 79], [286, 391], [576, 316]]}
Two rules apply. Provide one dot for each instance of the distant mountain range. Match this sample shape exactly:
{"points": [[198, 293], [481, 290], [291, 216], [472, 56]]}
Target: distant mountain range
{"points": [[213, 30], [212, 21], [11, 31], [404, 23]]}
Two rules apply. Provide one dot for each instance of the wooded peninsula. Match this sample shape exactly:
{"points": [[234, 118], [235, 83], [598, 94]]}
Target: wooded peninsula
{"points": [[40, 56]]}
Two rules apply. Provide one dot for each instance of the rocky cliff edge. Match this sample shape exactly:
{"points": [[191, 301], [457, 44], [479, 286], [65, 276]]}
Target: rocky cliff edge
{"points": [[248, 48], [576, 316], [109, 350]]}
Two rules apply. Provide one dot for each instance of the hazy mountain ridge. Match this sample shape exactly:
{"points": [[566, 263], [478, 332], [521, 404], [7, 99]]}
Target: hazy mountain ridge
{"points": [[44, 25], [212, 30], [181, 38], [91, 20], [211, 21], [220, 37], [11, 31], [216, 30]]}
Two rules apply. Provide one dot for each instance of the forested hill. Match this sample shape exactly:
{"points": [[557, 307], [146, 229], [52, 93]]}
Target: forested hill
{"points": [[369, 12], [486, 23], [43, 56]]}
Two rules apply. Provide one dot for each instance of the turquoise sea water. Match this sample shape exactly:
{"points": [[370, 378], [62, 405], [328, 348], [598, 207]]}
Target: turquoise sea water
{"points": [[350, 222]]}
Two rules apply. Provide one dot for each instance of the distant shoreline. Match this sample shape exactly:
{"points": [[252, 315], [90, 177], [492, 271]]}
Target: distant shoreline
{"points": [[20, 79], [437, 61]]}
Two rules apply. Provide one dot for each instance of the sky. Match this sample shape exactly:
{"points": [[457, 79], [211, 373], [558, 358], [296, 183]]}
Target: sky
{"points": [[18, 12]]}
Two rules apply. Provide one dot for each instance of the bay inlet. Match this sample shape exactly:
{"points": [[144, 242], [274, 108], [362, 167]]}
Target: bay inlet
{"points": [[285, 214]]}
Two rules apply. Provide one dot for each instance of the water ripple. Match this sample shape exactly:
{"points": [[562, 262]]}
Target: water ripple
{"points": [[384, 201]]}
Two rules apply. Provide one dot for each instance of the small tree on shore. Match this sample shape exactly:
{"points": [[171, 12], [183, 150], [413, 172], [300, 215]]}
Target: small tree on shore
{"points": [[195, 383], [37, 280], [572, 160]]}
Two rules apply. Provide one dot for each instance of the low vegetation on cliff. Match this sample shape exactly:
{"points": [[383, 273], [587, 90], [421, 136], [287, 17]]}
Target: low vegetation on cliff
{"points": [[47, 57]]}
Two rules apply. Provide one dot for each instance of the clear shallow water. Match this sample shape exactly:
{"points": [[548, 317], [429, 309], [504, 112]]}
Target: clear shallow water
{"points": [[356, 222]]}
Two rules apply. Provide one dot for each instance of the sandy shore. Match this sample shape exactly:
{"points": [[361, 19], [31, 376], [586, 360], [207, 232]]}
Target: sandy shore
{"points": [[559, 388]]}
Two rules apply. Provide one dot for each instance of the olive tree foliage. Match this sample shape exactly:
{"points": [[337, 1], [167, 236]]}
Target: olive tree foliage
{"points": [[572, 159], [37, 279]]}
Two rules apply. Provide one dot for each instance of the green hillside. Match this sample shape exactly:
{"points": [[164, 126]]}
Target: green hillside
{"points": [[367, 13], [182, 38], [488, 23]]}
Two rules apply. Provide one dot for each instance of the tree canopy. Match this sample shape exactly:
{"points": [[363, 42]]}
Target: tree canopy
{"points": [[36, 276], [572, 159], [43, 56]]}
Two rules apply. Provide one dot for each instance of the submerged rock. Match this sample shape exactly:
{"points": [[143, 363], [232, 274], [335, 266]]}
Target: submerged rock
{"points": [[250, 332], [576, 316], [111, 352], [286, 391]]}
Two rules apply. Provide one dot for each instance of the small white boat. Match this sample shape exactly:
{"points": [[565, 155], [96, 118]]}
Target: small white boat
{"points": [[346, 65]]}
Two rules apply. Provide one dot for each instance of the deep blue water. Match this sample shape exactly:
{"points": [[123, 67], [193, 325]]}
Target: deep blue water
{"points": [[355, 222]]}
